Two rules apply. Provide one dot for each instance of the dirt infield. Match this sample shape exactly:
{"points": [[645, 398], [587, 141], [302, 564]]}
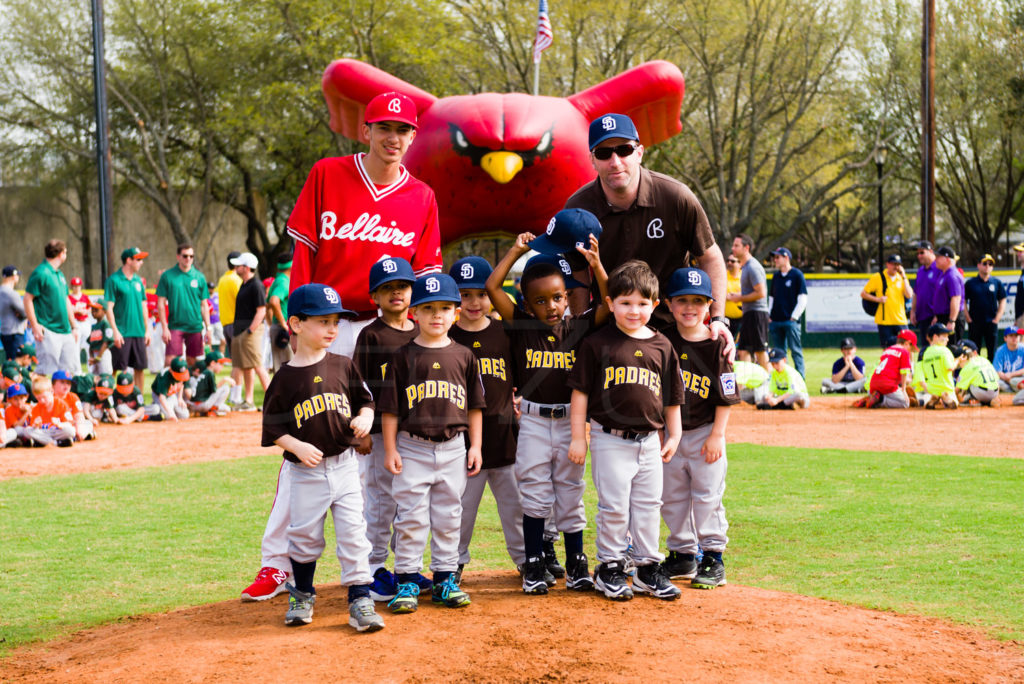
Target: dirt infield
{"points": [[733, 633]]}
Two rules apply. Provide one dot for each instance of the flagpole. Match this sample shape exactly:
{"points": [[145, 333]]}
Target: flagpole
{"points": [[536, 78], [541, 42]]}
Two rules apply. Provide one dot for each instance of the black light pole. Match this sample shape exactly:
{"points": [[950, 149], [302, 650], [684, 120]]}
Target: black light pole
{"points": [[102, 137], [879, 162]]}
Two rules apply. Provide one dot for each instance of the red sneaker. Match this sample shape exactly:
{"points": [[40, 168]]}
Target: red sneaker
{"points": [[269, 583], [874, 399]]}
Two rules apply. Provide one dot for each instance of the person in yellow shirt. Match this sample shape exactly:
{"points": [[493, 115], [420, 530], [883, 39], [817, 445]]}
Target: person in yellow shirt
{"points": [[227, 291], [891, 316], [733, 310]]}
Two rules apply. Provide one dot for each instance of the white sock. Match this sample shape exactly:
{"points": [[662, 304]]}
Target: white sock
{"points": [[236, 395]]}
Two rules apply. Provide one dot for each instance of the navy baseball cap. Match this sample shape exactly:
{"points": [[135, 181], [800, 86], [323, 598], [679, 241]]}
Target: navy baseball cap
{"points": [[470, 273], [558, 262], [61, 375], [689, 281], [847, 343], [782, 251], [316, 299], [968, 344], [17, 390], [435, 287], [389, 269], [945, 251], [566, 230], [938, 329], [894, 259], [776, 354], [611, 126], [11, 270], [924, 244]]}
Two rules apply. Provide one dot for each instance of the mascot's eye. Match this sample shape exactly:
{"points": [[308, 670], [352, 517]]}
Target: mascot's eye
{"points": [[460, 139], [545, 142]]}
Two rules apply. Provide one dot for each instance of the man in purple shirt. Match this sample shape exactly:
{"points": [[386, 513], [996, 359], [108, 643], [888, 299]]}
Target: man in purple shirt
{"points": [[948, 297], [921, 313]]}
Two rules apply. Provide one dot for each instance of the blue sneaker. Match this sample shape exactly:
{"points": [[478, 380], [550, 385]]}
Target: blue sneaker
{"points": [[424, 583], [448, 594], [406, 599], [384, 586]]}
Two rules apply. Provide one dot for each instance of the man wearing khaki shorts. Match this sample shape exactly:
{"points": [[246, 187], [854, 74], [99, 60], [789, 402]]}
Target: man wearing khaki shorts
{"points": [[247, 341]]}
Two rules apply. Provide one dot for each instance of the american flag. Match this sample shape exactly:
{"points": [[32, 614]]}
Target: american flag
{"points": [[544, 36]]}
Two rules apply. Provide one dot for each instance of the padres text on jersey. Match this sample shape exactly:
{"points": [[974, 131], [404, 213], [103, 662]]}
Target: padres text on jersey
{"points": [[315, 405]]}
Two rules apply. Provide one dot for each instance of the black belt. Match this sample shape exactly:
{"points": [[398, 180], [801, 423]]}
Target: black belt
{"points": [[551, 411], [631, 435]]}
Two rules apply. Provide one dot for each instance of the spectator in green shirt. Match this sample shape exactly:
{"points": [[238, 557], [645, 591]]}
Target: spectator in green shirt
{"points": [[182, 292], [50, 315], [277, 305], [128, 315]]}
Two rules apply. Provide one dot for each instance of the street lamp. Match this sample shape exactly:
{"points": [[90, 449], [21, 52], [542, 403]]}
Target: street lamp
{"points": [[880, 153]]}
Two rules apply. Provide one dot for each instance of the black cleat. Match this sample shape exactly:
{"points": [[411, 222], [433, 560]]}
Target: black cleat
{"points": [[577, 574], [533, 576], [711, 573], [680, 565], [551, 560]]}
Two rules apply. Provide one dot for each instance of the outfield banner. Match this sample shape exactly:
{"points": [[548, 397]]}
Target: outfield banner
{"points": [[833, 302]]}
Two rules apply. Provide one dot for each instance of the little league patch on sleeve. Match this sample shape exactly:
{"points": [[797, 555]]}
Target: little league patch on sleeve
{"points": [[728, 383]]}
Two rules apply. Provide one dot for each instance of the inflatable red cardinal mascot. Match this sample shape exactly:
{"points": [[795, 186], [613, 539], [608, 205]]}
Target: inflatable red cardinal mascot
{"points": [[506, 163]]}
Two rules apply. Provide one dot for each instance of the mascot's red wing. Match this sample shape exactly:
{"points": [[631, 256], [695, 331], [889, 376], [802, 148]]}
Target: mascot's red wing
{"points": [[349, 84], [650, 94]]}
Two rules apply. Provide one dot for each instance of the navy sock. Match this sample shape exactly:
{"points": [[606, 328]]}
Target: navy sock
{"points": [[404, 577], [303, 573], [533, 536], [573, 543], [357, 591], [441, 575], [717, 555]]}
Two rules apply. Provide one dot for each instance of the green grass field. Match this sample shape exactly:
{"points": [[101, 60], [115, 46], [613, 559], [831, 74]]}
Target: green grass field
{"points": [[932, 535]]}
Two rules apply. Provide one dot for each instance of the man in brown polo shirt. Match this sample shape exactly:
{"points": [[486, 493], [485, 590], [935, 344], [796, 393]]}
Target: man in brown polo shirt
{"points": [[648, 216]]}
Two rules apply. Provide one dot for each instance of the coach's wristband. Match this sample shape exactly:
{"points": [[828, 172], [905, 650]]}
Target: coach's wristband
{"points": [[720, 319]]}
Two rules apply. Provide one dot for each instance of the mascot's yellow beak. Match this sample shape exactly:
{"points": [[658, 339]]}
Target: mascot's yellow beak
{"points": [[502, 166]]}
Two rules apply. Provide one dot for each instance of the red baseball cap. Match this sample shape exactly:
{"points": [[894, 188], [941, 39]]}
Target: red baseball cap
{"points": [[76, 281], [393, 106], [908, 335]]}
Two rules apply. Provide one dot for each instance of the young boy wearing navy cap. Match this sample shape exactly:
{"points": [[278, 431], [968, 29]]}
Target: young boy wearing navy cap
{"points": [[694, 480], [433, 397], [544, 344], [391, 281], [317, 409], [487, 339]]}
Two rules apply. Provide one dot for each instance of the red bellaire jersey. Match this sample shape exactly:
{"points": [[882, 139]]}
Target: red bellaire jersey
{"points": [[343, 223], [887, 376]]}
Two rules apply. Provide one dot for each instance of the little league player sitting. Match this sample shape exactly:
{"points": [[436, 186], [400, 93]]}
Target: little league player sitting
{"points": [[84, 427], [937, 365], [208, 398], [51, 416], [752, 381], [168, 402], [626, 380], [1009, 363], [695, 477], [129, 406], [847, 372], [317, 409], [434, 396], [786, 387], [977, 383], [891, 377]]}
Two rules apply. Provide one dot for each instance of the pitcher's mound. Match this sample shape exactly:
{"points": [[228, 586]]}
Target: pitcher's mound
{"points": [[733, 633]]}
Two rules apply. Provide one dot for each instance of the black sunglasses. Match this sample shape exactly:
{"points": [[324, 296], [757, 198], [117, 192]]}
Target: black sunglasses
{"points": [[605, 153]]}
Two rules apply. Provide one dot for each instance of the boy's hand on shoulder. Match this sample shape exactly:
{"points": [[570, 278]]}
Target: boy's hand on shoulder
{"points": [[713, 448], [308, 454], [365, 445], [474, 461], [578, 451], [393, 462]]}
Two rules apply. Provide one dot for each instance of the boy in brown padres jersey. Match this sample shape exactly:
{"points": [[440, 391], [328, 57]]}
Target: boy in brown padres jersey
{"points": [[544, 345], [317, 409], [433, 396], [627, 381], [694, 480], [489, 343], [391, 281]]}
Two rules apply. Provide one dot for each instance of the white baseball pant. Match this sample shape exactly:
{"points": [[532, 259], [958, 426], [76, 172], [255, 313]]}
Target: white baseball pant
{"points": [[428, 493], [505, 490], [628, 478], [104, 364], [174, 403], [550, 484], [7, 436], [753, 396], [692, 496], [897, 399], [848, 387], [379, 508], [217, 400], [330, 486]]}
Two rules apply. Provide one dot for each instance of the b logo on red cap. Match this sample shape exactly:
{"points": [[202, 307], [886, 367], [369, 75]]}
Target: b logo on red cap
{"points": [[395, 105]]}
